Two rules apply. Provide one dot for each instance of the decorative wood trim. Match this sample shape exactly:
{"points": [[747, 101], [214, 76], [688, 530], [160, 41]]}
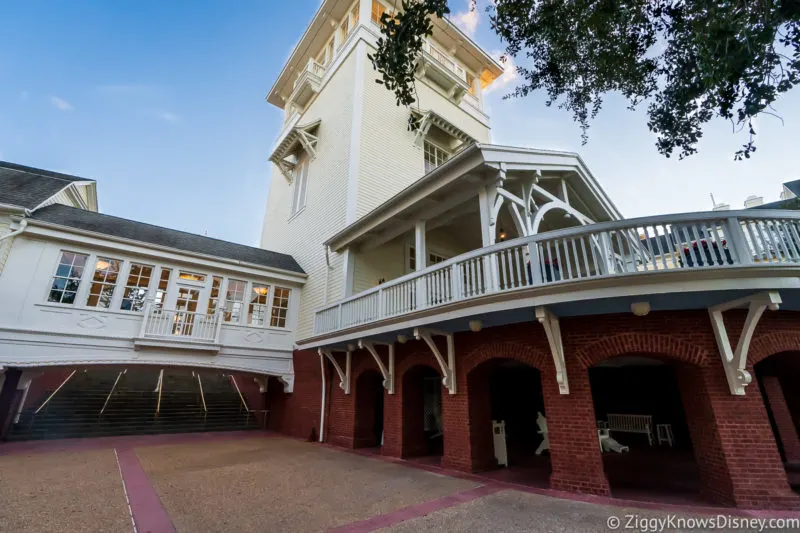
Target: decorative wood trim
{"points": [[552, 329], [448, 367], [344, 375], [734, 362], [386, 370]]}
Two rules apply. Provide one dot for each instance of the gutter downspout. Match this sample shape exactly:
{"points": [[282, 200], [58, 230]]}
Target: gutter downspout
{"points": [[322, 412], [22, 225]]}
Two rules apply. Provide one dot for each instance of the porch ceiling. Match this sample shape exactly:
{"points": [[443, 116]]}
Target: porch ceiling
{"points": [[450, 191]]}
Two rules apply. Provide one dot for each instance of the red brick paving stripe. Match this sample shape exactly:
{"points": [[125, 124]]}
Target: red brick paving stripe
{"points": [[149, 515], [415, 511]]}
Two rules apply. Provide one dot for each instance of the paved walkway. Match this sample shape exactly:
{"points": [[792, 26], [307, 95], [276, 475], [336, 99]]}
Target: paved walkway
{"points": [[255, 482]]}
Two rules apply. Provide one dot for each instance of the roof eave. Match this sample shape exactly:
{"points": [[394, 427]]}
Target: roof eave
{"points": [[160, 248]]}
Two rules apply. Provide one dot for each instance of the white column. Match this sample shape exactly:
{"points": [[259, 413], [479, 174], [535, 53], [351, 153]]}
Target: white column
{"points": [[364, 11], [421, 259], [420, 245], [349, 269], [486, 196]]}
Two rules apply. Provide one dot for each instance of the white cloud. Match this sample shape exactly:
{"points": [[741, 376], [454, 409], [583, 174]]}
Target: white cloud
{"points": [[168, 116], [61, 104], [509, 74], [467, 20]]}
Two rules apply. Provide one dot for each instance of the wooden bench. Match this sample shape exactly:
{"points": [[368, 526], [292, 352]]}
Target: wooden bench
{"points": [[632, 424]]}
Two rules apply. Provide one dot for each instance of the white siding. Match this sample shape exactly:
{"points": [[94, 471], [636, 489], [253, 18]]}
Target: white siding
{"points": [[5, 245], [390, 161], [389, 260], [326, 202]]}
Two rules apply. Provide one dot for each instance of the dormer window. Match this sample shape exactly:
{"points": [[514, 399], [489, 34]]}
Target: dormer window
{"points": [[298, 144], [438, 138]]}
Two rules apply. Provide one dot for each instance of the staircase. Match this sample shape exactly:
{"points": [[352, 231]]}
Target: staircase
{"points": [[77, 410]]}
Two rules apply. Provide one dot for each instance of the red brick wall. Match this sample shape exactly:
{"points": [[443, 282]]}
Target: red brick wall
{"points": [[733, 442], [297, 414], [782, 418]]}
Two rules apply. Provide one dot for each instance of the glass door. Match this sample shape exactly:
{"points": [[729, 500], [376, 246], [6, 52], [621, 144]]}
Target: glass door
{"points": [[186, 302]]}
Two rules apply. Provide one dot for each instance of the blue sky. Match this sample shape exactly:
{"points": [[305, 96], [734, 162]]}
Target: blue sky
{"points": [[163, 104]]}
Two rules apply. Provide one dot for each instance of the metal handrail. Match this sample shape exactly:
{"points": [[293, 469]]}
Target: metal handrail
{"points": [[54, 392], [114, 386]]}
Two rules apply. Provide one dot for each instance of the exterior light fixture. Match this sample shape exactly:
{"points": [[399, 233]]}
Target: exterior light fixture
{"points": [[475, 325], [261, 290], [402, 339], [640, 308], [502, 234]]}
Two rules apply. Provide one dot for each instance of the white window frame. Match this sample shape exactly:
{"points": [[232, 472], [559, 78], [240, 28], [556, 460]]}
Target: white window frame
{"points": [[300, 183], [243, 301], [264, 308], [125, 286], [409, 255], [273, 308], [435, 149], [114, 298], [81, 284]]}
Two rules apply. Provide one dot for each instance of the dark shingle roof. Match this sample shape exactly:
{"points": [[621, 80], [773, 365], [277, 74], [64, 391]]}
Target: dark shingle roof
{"points": [[793, 186], [139, 231], [28, 187]]}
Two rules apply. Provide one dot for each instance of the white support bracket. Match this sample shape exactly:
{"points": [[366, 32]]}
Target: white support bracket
{"points": [[386, 370], [448, 367], [344, 375], [553, 331], [735, 362]]}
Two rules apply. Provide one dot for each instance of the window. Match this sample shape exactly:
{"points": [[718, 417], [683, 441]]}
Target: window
{"points": [[185, 309], [280, 306], [213, 297], [329, 51], [354, 16], [379, 9], [163, 284], [258, 305], [234, 300], [433, 258], [434, 155], [136, 288], [344, 30], [67, 278], [191, 276], [300, 183], [104, 281], [471, 83]]}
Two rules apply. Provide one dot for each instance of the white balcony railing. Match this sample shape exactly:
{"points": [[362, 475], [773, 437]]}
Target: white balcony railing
{"points": [[444, 59], [621, 248], [312, 67], [180, 325]]}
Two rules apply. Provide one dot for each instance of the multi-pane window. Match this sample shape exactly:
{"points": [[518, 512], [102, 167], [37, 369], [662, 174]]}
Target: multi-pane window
{"points": [[213, 297], [136, 288], [435, 258], [234, 300], [67, 278], [434, 155], [106, 272], [257, 312], [300, 183], [163, 285], [280, 307], [379, 9]]}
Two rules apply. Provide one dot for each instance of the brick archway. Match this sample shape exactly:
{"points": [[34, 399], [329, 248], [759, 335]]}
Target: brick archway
{"points": [[478, 354], [368, 400], [773, 343], [644, 343]]}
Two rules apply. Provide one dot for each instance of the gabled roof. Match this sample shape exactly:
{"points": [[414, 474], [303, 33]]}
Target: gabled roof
{"points": [[29, 187], [63, 215], [793, 186]]}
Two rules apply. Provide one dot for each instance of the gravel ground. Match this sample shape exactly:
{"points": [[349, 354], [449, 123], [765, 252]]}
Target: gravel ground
{"points": [[511, 511], [276, 484], [62, 492]]}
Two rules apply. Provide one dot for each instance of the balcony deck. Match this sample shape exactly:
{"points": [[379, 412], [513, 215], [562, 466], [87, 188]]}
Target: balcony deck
{"points": [[614, 252]]}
